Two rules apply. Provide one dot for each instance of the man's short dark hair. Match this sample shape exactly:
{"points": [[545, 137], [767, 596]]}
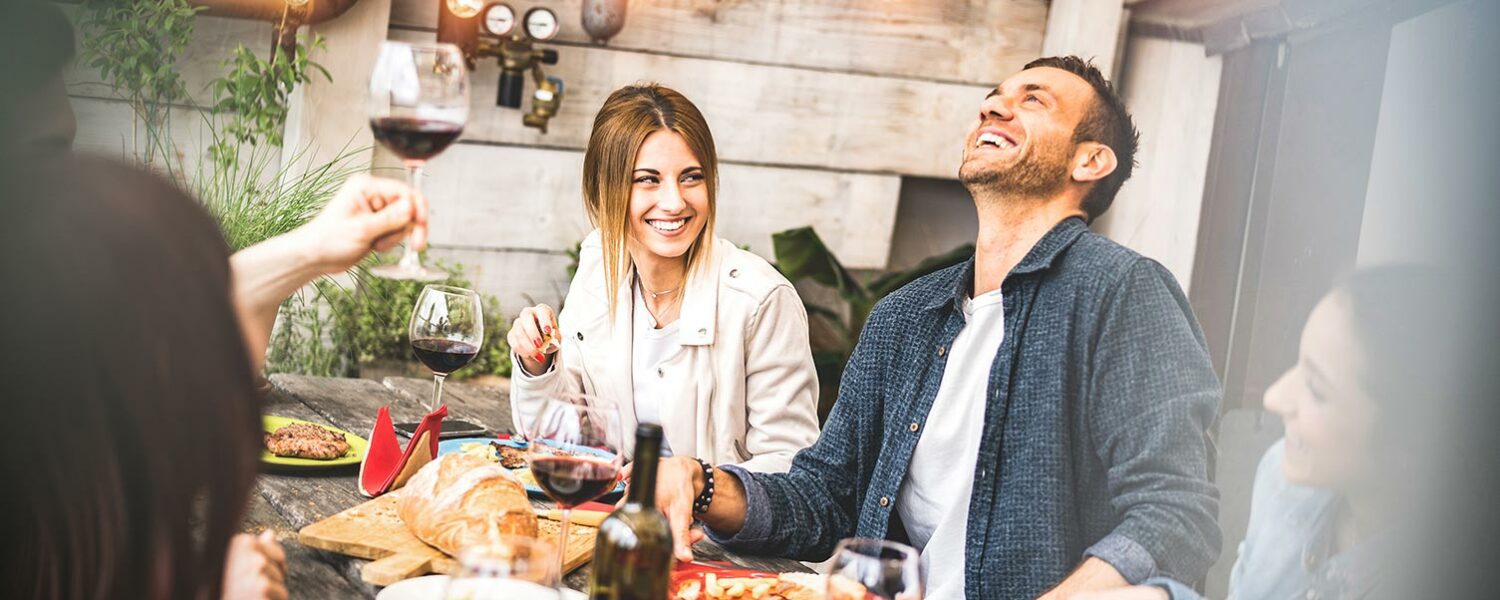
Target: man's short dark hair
{"points": [[1107, 122]]}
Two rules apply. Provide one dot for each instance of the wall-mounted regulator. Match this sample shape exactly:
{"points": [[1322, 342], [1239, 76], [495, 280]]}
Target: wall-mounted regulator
{"points": [[492, 29]]}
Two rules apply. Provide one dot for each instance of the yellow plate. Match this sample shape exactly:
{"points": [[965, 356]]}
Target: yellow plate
{"points": [[356, 453]]}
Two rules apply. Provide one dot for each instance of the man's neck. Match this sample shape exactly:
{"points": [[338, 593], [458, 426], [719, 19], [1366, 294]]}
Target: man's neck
{"points": [[1008, 229]]}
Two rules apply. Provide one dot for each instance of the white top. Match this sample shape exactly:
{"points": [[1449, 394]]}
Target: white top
{"points": [[651, 347], [934, 497]]}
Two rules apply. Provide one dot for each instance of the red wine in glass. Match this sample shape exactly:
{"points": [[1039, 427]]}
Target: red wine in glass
{"points": [[573, 480], [415, 139], [443, 355], [419, 102]]}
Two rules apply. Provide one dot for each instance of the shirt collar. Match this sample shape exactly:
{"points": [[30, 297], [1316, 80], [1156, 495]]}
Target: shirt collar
{"points": [[1040, 258]]}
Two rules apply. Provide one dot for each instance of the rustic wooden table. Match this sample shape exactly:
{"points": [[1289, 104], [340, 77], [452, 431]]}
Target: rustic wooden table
{"points": [[287, 501]]}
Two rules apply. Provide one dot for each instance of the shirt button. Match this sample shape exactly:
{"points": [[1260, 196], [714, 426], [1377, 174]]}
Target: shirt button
{"points": [[703, 331], [942, 350], [580, 336], [734, 272], [884, 501], [914, 427], [660, 372]]}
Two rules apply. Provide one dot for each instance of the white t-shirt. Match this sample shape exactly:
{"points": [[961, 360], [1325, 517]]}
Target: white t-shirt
{"points": [[934, 497], [651, 347]]}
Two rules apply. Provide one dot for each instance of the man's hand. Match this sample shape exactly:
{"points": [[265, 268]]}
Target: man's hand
{"points": [[368, 214], [255, 568], [1139, 592], [678, 481], [1094, 575]]}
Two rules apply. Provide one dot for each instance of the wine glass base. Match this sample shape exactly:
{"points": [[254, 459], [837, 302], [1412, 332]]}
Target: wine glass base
{"points": [[409, 273]]}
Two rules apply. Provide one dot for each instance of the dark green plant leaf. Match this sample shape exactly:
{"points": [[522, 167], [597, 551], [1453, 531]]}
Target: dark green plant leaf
{"points": [[891, 282], [801, 254]]}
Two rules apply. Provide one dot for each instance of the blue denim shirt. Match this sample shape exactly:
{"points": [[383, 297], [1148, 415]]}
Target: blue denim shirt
{"points": [[1288, 547], [1094, 437]]}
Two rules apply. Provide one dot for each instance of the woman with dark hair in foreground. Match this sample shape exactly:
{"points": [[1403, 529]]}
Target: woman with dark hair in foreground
{"points": [[134, 417]]}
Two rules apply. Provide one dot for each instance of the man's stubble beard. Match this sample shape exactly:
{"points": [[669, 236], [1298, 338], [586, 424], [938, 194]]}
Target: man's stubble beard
{"points": [[1039, 174]]}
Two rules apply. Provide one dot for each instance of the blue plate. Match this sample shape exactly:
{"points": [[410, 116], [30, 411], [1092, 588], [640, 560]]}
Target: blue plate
{"points": [[450, 446]]}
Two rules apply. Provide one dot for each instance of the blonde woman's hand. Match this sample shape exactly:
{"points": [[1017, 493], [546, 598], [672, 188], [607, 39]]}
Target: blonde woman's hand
{"points": [[255, 568], [535, 339]]}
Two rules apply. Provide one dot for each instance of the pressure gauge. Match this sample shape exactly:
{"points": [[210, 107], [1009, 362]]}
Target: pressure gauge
{"points": [[541, 24], [499, 19], [464, 9]]}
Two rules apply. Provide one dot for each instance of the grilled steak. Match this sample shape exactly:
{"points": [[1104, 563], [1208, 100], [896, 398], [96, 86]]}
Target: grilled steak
{"points": [[511, 457], [301, 440]]}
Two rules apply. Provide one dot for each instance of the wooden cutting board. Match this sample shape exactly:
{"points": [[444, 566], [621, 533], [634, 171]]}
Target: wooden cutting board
{"points": [[374, 531]]}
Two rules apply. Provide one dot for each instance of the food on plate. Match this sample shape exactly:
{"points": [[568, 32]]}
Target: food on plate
{"points": [[305, 440], [460, 500], [511, 457], [787, 586], [479, 450]]}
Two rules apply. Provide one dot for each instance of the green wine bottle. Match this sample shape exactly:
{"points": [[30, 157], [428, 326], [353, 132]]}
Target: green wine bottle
{"points": [[633, 551]]}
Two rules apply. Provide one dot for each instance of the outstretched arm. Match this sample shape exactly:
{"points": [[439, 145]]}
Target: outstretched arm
{"points": [[368, 214]]}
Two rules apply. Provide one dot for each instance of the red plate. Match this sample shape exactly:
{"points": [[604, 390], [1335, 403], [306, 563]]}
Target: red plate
{"points": [[694, 571]]}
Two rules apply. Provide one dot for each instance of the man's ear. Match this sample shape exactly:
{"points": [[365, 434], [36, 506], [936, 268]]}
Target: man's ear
{"points": [[1092, 162]]}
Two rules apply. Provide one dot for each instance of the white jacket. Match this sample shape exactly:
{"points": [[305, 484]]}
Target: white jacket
{"points": [[749, 388]]}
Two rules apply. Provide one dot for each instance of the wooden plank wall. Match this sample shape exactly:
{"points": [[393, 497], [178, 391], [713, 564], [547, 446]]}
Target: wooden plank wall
{"points": [[1172, 89], [818, 109], [105, 121]]}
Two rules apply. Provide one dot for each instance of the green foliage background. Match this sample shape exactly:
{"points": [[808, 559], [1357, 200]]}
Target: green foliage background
{"points": [[253, 190]]}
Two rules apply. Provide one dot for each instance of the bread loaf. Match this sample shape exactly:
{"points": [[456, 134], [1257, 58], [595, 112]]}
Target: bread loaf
{"points": [[457, 501]]}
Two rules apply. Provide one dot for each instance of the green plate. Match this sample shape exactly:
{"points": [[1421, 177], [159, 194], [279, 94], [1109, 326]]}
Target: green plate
{"points": [[356, 453]]}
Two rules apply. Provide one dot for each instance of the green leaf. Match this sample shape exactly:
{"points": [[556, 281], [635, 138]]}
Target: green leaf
{"points": [[800, 254], [891, 282]]}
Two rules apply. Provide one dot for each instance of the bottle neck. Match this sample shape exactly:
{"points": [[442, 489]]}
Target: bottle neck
{"points": [[643, 474]]}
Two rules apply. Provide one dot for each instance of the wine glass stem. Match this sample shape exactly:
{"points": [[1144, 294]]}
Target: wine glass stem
{"points": [[437, 391], [409, 257], [562, 543]]}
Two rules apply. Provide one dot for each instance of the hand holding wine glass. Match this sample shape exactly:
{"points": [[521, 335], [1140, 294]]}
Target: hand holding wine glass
{"points": [[573, 449], [419, 97], [367, 213]]}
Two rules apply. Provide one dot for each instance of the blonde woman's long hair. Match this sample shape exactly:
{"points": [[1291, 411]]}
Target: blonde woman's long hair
{"points": [[628, 116]]}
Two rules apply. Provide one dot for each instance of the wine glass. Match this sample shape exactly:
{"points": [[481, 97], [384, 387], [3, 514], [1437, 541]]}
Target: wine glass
{"points": [[865, 568], [574, 454], [419, 102], [446, 332], [507, 568]]}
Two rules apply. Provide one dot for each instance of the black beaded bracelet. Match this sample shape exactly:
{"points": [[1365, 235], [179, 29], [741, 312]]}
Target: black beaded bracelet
{"points": [[700, 504]]}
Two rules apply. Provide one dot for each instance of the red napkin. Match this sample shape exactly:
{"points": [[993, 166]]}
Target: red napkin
{"points": [[386, 466]]}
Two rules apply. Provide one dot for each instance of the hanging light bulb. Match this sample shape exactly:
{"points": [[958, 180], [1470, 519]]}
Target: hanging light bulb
{"points": [[463, 8]]}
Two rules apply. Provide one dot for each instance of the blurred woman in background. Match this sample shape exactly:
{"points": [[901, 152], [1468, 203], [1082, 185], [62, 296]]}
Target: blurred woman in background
{"points": [[1337, 501], [663, 320]]}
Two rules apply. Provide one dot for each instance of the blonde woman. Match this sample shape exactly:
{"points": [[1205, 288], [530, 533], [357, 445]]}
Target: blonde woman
{"points": [[662, 319]]}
